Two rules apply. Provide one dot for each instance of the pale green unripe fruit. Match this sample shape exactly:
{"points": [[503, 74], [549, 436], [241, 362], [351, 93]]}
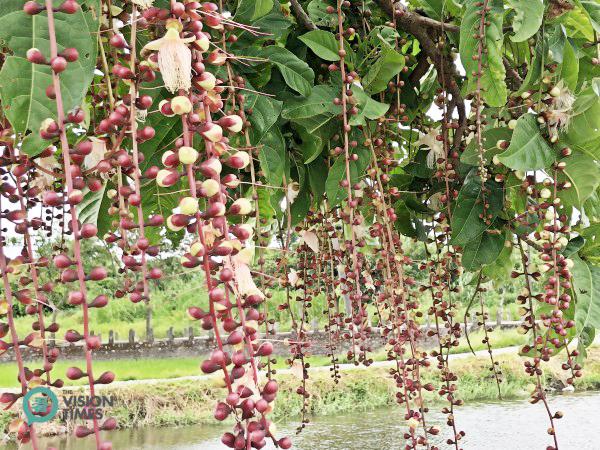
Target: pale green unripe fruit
{"points": [[171, 226], [188, 206], [187, 155], [241, 206], [545, 193], [197, 249], [181, 105], [210, 187], [161, 176]]}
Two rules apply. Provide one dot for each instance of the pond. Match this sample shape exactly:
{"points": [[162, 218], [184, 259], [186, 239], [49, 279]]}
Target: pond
{"points": [[517, 425]]}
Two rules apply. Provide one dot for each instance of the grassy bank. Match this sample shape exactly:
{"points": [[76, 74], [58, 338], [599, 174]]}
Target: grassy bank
{"points": [[180, 402], [166, 368]]}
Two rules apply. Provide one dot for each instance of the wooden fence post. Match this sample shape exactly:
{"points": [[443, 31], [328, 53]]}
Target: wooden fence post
{"points": [[170, 336], [111, 337], [131, 337]]}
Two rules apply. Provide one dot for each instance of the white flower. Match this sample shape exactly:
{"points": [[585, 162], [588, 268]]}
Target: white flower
{"points": [[244, 283], [145, 4], [436, 148], [293, 278], [293, 189], [174, 58], [310, 239], [97, 153], [44, 180], [559, 114]]}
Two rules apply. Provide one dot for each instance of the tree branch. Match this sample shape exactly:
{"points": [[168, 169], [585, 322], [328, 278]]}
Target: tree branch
{"points": [[419, 27], [301, 16], [510, 70], [420, 69]]}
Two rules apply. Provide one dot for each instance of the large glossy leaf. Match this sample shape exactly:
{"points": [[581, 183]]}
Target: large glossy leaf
{"points": [[584, 174], [337, 173], [493, 76], [592, 9], [317, 11], [367, 108], [491, 137], [167, 130], [528, 18], [583, 133], [569, 69], [265, 113], [94, 208], [388, 64], [23, 85], [250, 10], [272, 157], [436, 8], [586, 279], [296, 73], [315, 111], [323, 44], [466, 221], [528, 150], [483, 250]]}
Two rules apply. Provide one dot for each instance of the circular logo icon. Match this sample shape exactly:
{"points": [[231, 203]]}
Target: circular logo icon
{"points": [[40, 405]]}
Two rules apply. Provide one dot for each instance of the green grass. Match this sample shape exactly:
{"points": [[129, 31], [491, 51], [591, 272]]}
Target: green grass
{"points": [[167, 368], [155, 405], [126, 369]]}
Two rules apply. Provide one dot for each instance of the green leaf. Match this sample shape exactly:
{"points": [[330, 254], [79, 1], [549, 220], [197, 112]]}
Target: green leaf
{"points": [[528, 18], [586, 281], [367, 108], [435, 8], [315, 111], [534, 69], [296, 73], [501, 268], [491, 136], [23, 85], [584, 129], [265, 113], [337, 172], [493, 77], [167, 130], [94, 208], [272, 157], [311, 146], [317, 11], [584, 174], [388, 65], [265, 209], [323, 44], [569, 69], [592, 9], [250, 10], [466, 222], [483, 250], [528, 150], [317, 176]]}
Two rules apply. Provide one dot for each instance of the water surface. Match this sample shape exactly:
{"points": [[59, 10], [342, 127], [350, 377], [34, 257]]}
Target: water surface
{"points": [[514, 425]]}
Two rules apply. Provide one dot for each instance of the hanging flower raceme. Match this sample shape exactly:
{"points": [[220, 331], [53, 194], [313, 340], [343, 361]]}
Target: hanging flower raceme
{"points": [[560, 111], [436, 148], [174, 57]]}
